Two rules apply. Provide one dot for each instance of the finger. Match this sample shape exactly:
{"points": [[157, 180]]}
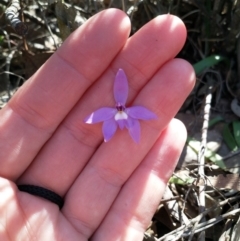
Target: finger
{"points": [[137, 201], [38, 107], [75, 142], [26, 217], [99, 183]]}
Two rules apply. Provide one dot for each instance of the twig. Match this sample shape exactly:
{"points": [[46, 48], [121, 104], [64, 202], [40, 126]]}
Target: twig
{"points": [[8, 62], [231, 154], [148, 237], [123, 6], [201, 156], [174, 209], [24, 38], [12, 14], [185, 230], [205, 225], [190, 13], [184, 203], [46, 23], [7, 72], [132, 9], [170, 199]]}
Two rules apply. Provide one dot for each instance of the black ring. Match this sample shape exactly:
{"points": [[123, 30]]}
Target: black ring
{"points": [[42, 192]]}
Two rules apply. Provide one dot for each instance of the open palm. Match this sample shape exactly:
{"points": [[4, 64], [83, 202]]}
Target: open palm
{"points": [[112, 189]]}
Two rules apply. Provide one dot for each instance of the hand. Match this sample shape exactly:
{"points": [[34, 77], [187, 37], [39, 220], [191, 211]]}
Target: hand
{"points": [[111, 190]]}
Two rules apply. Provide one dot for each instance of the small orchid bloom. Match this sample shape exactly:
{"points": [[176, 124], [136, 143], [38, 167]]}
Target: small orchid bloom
{"points": [[120, 116]]}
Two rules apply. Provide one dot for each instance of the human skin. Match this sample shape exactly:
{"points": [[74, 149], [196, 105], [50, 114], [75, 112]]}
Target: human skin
{"points": [[111, 190]]}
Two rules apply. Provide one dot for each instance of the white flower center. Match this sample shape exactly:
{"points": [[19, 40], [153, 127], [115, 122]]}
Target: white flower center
{"points": [[120, 115]]}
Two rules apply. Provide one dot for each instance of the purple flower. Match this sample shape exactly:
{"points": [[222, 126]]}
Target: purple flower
{"points": [[120, 116]]}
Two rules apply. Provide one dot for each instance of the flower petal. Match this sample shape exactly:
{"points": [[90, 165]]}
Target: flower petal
{"points": [[134, 129], [109, 128], [122, 123], [120, 88], [100, 115], [140, 112]]}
